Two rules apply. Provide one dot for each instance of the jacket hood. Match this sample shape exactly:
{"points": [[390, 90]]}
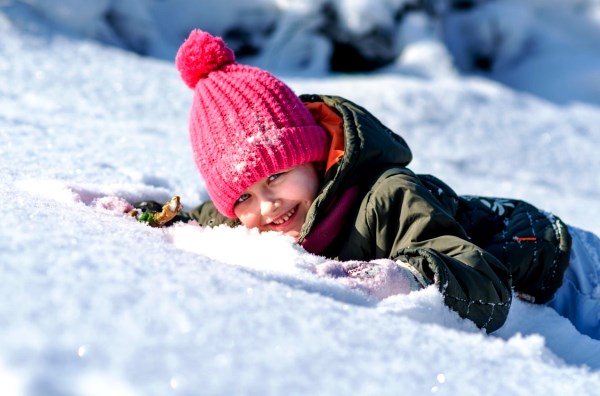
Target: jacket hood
{"points": [[367, 142]]}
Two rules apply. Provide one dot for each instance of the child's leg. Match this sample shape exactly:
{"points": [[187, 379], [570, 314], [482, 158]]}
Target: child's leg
{"points": [[578, 299]]}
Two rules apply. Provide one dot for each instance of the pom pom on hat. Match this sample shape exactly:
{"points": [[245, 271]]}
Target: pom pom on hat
{"points": [[199, 55], [245, 124]]}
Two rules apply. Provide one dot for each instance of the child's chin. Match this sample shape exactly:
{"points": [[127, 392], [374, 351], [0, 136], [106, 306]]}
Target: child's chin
{"points": [[293, 233]]}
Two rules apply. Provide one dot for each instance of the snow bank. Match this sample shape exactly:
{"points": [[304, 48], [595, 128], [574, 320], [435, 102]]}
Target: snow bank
{"points": [[92, 300]]}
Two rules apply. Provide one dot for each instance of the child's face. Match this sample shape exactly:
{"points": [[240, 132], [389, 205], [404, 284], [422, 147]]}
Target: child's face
{"points": [[279, 202]]}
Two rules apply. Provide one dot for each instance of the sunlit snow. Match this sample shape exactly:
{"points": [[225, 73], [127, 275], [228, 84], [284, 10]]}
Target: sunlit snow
{"points": [[94, 303]]}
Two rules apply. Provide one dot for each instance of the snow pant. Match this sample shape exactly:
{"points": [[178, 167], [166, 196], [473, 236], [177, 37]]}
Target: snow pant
{"points": [[578, 299]]}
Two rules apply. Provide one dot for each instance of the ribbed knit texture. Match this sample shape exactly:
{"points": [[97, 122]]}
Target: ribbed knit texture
{"points": [[245, 124]]}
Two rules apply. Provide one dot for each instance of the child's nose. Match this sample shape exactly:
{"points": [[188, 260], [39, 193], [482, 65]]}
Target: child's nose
{"points": [[268, 205]]}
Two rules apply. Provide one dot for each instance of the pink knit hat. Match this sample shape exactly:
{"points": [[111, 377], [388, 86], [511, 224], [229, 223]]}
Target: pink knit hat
{"points": [[245, 124]]}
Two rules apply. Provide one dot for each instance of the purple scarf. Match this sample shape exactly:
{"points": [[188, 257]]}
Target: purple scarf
{"points": [[325, 232]]}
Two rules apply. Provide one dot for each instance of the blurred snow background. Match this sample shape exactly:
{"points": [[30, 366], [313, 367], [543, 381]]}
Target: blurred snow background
{"points": [[547, 47], [495, 97]]}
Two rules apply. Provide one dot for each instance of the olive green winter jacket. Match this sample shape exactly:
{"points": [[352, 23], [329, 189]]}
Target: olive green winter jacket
{"points": [[474, 249]]}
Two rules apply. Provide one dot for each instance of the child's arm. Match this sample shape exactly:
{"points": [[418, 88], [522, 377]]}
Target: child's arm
{"points": [[428, 237], [207, 215], [401, 220]]}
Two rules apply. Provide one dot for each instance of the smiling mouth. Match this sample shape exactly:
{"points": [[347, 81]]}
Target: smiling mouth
{"points": [[283, 219]]}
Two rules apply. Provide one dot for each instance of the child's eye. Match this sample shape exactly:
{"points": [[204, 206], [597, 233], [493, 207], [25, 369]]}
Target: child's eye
{"points": [[242, 198], [274, 177]]}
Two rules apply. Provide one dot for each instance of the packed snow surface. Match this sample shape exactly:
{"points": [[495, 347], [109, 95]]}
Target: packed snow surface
{"points": [[94, 303]]}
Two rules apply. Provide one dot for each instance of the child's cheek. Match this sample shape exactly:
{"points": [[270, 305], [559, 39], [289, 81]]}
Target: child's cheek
{"points": [[249, 220]]}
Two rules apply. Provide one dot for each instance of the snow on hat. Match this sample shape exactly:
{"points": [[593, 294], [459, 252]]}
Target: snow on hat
{"points": [[245, 124]]}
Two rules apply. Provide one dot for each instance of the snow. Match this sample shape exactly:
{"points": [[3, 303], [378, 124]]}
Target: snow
{"points": [[93, 302]]}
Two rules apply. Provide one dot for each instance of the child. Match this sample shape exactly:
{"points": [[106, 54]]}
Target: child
{"points": [[326, 172]]}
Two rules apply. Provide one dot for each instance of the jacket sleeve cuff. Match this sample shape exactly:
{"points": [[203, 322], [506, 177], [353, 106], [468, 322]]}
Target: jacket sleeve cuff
{"points": [[417, 280]]}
